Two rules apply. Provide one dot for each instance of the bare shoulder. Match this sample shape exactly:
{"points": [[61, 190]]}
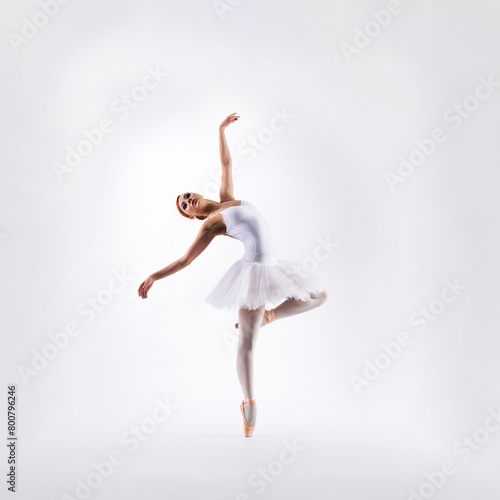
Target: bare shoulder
{"points": [[215, 225]]}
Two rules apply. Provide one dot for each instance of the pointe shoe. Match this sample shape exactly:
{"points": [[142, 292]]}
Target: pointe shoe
{"points": [[269, 317], [247, 429]]}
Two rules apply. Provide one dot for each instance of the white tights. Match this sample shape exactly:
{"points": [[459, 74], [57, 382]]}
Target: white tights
{"points": [[249, 323]]}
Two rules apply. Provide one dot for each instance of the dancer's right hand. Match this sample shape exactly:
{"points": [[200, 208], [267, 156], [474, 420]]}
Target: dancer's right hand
{"points": [[145, 287]]}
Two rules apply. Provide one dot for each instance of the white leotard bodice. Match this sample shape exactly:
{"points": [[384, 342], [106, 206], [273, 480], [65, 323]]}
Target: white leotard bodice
{"points": [[245, 223]]}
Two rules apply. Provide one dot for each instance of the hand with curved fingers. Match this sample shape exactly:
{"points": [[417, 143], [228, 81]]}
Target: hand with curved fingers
{"points": [[145, 287], [230, 119]]}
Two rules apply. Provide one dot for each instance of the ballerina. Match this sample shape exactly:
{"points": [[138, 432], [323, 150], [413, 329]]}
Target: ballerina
{"points": [[259, 286]]}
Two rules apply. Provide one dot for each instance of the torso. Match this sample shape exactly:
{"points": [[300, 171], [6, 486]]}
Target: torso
{"points": [[217, 221]]}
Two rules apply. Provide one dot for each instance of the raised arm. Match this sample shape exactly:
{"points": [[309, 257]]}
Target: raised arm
{"points": [[226, 188], [205, 235]]}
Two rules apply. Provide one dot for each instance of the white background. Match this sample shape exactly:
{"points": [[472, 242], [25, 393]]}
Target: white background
{"points": [[321, 178]]}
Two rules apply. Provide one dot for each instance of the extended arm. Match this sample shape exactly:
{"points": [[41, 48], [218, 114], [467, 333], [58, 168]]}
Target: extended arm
{"points": [[225, 156], [226, 188], [206, 234]]}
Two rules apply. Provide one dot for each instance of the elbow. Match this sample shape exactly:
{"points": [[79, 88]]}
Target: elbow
{"points": [[185, 261]]}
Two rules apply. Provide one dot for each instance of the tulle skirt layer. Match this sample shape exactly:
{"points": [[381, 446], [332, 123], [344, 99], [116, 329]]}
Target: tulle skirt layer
{"points": [[249, 285]]}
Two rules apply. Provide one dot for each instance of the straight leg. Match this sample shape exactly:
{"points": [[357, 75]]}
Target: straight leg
{"points": [[249, 325]]}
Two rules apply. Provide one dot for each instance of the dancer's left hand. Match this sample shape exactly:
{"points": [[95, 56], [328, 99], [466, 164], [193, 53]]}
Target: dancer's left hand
{"points": [[227, 121], [145, 287]]}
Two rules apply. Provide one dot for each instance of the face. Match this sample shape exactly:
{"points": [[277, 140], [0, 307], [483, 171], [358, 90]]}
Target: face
{"points": [[190, 203]]}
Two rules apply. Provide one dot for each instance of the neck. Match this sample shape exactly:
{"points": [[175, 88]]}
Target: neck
{"points": [[209, 207]]}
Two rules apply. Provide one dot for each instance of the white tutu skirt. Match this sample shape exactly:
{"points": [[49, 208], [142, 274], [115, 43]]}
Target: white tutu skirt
{"points": [[249, 285]]}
